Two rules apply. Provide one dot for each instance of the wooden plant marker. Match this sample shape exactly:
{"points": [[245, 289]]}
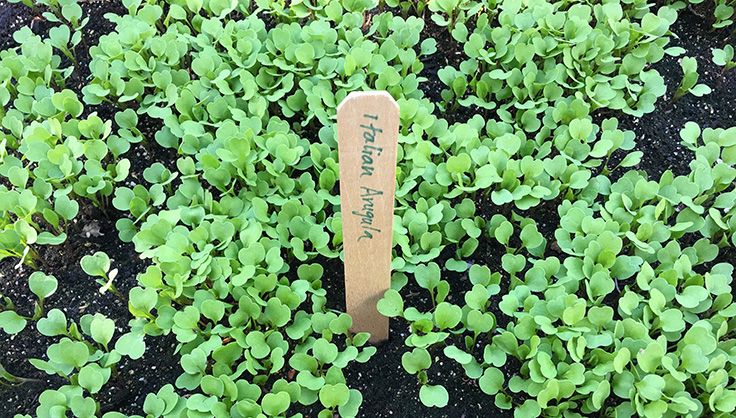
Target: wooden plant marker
{"points": [[367, 134]]}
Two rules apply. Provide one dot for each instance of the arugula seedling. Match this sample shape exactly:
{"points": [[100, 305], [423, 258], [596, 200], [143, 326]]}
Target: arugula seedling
{"points": [[723, 14], [10, 321], [689, 80], [42, 286], [98, 264], [724, 57]]}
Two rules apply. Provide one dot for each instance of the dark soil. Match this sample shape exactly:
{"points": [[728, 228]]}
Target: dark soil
{"points": [[387, 389]]}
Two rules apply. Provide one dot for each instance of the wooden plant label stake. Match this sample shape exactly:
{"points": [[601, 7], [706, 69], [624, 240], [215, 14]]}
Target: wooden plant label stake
{"points": [[367, 134]]}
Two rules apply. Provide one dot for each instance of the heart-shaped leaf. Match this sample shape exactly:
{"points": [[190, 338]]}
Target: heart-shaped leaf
{"points": [[334, 395], [96, 265], [102, 329], [416, 360], [492, 381], [54, 324], [391, 304], [42, 285], [131, 345]]}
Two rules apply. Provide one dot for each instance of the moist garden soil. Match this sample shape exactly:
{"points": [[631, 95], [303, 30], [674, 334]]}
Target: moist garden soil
{"points": [[388, 391]]}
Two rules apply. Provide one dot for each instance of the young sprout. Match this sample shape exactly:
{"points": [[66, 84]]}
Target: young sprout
{"points": [[724, 57], [689, 80], [24, 258], [10, 322], [99, 265], [43, 286]]}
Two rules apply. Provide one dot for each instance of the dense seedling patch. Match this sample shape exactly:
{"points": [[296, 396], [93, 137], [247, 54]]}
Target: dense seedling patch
{"points": [[619, 311]]}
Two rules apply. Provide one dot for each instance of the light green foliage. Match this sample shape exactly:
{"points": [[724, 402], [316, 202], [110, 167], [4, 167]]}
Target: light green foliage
{"points": [[621, 311], [724, 58], [452, 14], [689, 80], [12, 323], [573, 48], [98, 265], [42, 286], [433, 395], [724, 13], [42, 123], [81, 357]]}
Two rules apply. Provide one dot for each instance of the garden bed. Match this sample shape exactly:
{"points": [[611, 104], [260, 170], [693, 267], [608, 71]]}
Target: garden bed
{"points": [[387, 388]]}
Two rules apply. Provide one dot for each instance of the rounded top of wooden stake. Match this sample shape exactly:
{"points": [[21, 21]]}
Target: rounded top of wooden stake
{"points": [[375, 94]]}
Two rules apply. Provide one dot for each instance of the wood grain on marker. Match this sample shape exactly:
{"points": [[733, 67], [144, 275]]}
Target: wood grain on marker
{"points": [[367, 131]]}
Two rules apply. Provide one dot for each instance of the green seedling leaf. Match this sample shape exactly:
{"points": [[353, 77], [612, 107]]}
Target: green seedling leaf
{"points": [[434, 396], [477, 298], [692, 296], [275, 404], [96, 265], [92, 377], [324, 351], [341, 324], [580, 128], [650, 387], [457, 354], [142, 300], [724, 57], [350, 409], [513, 263], [83, 407], [492, 381], [194, 362], [11, 322], [65, 207], [102, 329], [54, 324], [503, 232], [479, 321], [42, 285], [310, 272], [621, 360], [693, 360], [529, 409], [131, 345], [699, 335], [479, 275], [212, 386], [391, 304], [427, 276], [447, 315], [416, 360], [332, 396], [501, 197], [277, 313], [458, 163], [302, 362], [213, 310], [259, 348], [73, 353], [18, 176], [530, 236], [632, 159]]}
